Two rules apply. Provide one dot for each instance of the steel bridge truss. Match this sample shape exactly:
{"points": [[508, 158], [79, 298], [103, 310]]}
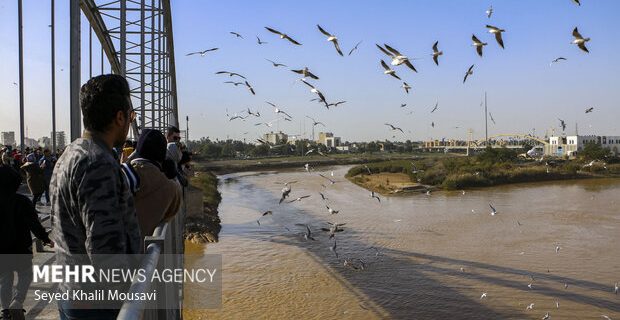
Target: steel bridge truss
{"points": [[137, 39]]}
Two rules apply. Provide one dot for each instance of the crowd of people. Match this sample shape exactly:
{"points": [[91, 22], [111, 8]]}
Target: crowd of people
{"points": [[105, 194]]}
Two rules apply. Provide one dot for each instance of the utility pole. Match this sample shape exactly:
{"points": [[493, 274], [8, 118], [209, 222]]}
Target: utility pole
{"points": [[186, 129], [486, 121], [21, 74], [75, 69], [53, 25]]}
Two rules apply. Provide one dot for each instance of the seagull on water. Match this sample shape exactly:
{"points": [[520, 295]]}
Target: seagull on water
{"points": [[498, 35], [469, 72], [493, 211], [283, 36], [478, 44], [580, 41], [389, 71], [436, 53], [557, 249], [275, 64], [355, 48], [616, 288], [332, 38], [394, 128], [201, 53], [546, 316]]}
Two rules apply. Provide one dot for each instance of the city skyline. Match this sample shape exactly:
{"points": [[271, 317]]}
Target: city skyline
{"points": [[524, 91]]}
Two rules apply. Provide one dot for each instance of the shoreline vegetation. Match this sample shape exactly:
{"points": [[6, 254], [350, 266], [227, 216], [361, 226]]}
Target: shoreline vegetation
{"points": [[492, 167], [205, 228], [257, 164]]}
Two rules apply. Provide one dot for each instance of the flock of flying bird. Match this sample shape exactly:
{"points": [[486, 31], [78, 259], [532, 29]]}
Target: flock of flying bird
{"points": [[396, 58]]}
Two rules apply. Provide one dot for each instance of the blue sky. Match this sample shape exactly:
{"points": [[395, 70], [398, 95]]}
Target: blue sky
{"points": [[524, 92]]}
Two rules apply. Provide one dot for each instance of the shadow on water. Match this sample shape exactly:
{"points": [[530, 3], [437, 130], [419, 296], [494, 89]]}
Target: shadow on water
{"points": [[401, 284]]}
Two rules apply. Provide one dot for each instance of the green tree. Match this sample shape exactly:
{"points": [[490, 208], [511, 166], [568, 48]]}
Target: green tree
{"points": [[594, 151]]}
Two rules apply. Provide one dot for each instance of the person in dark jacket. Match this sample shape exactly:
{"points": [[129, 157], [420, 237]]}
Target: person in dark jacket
{"points": [[18, 218]]}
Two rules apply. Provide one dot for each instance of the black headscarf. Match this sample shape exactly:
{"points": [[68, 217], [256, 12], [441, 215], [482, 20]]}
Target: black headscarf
{"points": [[152, 146], [11, 180]]}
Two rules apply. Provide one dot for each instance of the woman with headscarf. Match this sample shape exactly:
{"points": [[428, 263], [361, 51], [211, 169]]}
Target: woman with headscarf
{"points": [[158, 197]]}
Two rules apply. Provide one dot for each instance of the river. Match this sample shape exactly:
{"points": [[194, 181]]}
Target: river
{"points": [[424, 257]]}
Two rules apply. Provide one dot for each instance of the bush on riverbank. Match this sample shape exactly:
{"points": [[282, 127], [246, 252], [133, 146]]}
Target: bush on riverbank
{"points": [[207, 182], [492, 167], [207, 227]]}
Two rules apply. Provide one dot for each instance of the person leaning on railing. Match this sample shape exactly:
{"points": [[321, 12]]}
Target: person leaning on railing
{"points": [[158, 196]]}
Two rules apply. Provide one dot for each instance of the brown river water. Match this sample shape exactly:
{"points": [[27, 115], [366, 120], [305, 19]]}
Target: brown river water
{"points": [[425, 257]]}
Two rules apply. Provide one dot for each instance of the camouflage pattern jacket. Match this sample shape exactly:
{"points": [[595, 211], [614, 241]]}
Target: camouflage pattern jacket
{"points": [[92, 207]]}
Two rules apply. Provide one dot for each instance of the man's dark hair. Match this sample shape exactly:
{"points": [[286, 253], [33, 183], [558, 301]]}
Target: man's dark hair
{"points": [[101, 98], [172, 130]]}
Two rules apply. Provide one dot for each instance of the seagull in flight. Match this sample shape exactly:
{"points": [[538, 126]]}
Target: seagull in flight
{"points": [[493, 211], [436, 53], [562, 124], [397, 57], [234, 83], [435, 107], [580, 41], [556, 60], [314, 122], [373, 195], [498, 35], [259, 41], [335, 227], [389, 71], [355, 48], [331, 210], [283, 36], [530, 306], [285, 193], [491, 115], [308, 233], [394, 128], [484, 295], [489, 12], [250, 88], [406, 87], [478, 44], [299, 198], [402, 105], [236, 34], [335, 104], [275, 64], [231, 74], [330, 180], [201, 53], [323, 196], [616, 288], [469, 72], [589, 109], [305, 72], [315, 90], [332, 38], [577, 2], [278, 110]]}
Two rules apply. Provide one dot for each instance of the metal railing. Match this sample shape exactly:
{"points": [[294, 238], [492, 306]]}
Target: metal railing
{"points": [[163, 250]]}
